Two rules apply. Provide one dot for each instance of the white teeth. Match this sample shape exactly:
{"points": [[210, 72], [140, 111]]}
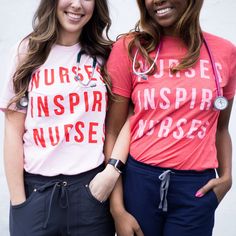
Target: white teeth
{"points": [[73, 16], [163, 11]]}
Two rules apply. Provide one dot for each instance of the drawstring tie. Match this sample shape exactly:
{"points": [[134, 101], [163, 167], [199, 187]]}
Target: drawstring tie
{"points": [[64, 199], [165, 181]]}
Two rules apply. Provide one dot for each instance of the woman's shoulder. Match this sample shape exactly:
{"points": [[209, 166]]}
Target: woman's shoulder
{"points": [[124, 40], [20, 48], [219, 42]]}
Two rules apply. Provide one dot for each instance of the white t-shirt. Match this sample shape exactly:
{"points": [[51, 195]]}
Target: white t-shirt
{"points": [[64, 126]]}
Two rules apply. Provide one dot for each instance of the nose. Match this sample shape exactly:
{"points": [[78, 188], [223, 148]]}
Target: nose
{"points": [[159, 2], [76, 3]]}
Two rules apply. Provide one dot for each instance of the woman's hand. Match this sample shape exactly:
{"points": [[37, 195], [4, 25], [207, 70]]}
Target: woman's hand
{"points": [[103, 183], [17, 200], [126, 224], [219, 185]]}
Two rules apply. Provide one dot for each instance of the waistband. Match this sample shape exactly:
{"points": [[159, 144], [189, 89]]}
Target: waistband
{"points": [[28, 177], [60, 182], [157, 169]]}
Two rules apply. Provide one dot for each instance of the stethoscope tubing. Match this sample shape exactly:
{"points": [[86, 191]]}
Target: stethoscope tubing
{"points": [[152, 65], [23, 103], [213, 64]]}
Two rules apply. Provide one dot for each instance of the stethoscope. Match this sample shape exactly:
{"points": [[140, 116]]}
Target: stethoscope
{"points": [[24, 101], [220, 103], [89, 83]]}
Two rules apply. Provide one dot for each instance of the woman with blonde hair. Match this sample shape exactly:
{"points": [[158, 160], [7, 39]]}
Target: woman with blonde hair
{"points": [[55, 103]]}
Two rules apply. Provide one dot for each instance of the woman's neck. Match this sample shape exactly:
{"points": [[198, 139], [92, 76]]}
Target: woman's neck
{"points": [[67, 39]]}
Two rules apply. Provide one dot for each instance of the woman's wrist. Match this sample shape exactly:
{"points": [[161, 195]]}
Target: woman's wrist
{"points": [[111, 172], [227, 180], [117, 210], [15, 200], [117, 164], [225, 176]]}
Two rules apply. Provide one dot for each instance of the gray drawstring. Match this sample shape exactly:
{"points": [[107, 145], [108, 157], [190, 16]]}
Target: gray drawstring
{"points": [[165, 180]]}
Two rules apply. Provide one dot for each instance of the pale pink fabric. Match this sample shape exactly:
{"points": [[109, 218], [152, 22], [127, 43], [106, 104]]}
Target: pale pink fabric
{"points": [[64, 120]]}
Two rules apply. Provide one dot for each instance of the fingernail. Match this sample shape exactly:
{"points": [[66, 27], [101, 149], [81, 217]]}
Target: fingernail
{"points": [[199, 194]]}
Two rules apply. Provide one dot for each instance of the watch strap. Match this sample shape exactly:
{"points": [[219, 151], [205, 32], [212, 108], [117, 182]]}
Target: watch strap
{"points": [[118, 164]]}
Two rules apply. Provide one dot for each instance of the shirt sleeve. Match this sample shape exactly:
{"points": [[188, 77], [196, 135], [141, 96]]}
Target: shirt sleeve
{"points": [[229, 89], [7, 92], [119, 69]]}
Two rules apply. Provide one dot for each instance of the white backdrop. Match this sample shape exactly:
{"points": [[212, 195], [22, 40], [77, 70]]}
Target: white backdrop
{"points": [[218, 17]]}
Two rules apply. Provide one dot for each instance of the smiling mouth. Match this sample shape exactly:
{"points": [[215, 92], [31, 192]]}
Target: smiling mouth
{"points": [[163, 11], [73, 16]]}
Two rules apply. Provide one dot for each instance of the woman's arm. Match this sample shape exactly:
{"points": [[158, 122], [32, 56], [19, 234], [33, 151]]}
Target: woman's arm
{"points": [[222, 184], [13, 155], [224, 144], [118, 147], [104, 182]]}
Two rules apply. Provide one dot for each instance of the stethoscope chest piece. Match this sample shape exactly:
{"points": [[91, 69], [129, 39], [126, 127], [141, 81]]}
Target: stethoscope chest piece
{"points": [[220, 103], [144, 77], [23, 103]]}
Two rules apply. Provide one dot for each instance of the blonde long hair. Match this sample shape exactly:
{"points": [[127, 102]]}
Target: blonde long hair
{"points": [[46, 33]]}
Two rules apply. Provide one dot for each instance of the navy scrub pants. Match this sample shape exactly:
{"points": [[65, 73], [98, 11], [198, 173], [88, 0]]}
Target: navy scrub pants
{"points": [[163, 201], [59, 206]]}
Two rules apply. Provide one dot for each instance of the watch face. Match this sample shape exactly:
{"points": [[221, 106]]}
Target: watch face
{"points": [[220, 103], [119, 165]]}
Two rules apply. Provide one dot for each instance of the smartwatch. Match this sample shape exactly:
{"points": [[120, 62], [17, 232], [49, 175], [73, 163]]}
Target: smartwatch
{"points": [[118, 164]]}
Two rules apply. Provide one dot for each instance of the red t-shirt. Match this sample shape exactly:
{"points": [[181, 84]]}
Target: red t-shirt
{"points": [[174, 123]]}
